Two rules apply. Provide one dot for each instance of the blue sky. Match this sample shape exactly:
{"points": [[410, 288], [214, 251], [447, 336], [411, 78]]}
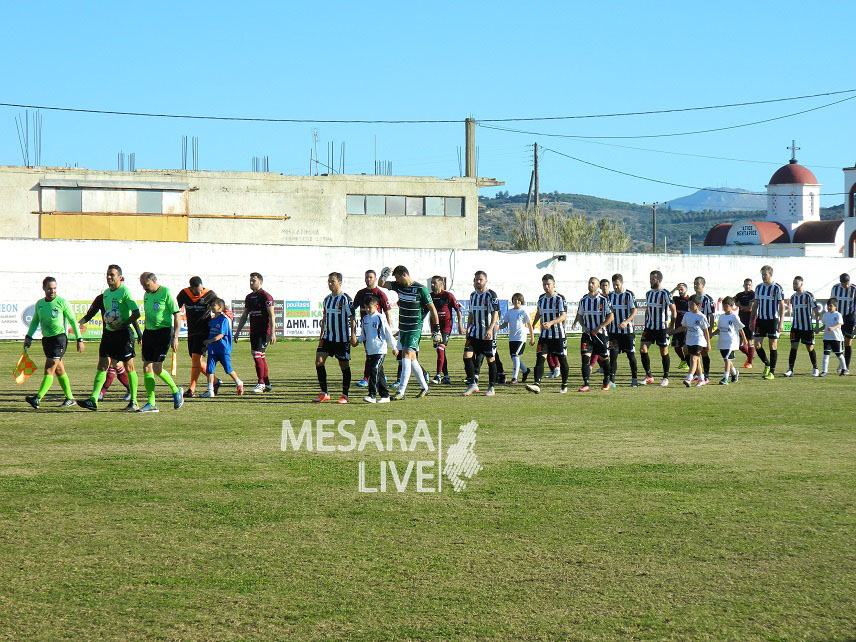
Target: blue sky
{"points": [[439, 60]]}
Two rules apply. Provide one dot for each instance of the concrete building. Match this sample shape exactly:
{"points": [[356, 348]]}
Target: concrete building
{"points": [[792, 227], [240, 207]]}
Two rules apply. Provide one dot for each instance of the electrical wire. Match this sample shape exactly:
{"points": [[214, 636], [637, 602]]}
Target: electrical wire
{"points": [[414, 121], [670, 134]]}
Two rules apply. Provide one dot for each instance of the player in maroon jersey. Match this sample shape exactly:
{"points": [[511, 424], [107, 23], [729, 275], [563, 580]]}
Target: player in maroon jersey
{"points": [[259, 307], [681, 299], [744, 301], [361, 301], [446, 303]]}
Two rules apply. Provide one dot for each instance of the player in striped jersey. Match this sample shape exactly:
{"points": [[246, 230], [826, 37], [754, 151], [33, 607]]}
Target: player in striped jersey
{"points": [[621, 335], [659, 324], [845, 295], [338, 334], [551, 312], [482, 326], [594, 314], [803, 317], [707, 308], [679, 339], [768, 311]]}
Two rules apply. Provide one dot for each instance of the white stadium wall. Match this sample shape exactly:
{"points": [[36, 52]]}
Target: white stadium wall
{"points": [[297, 274]]}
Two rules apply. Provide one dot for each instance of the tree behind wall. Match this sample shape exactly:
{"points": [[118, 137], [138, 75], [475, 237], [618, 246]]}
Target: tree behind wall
{"points": [[548, 228]]}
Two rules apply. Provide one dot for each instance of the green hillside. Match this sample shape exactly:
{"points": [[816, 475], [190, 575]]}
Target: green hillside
{"points": [[496, 219]]}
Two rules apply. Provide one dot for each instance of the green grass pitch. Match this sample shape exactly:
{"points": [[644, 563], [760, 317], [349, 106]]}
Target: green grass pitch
{"points": [[714, 513]]}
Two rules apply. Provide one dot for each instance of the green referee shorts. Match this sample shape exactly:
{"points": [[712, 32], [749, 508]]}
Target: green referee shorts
{"points": [[409, 340]]}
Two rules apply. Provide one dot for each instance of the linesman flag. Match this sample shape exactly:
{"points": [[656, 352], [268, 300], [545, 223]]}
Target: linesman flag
{"points": [[24, 369]]}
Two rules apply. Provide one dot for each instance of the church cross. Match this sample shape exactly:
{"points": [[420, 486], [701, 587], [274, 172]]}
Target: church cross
{"points": [[794, 149]]}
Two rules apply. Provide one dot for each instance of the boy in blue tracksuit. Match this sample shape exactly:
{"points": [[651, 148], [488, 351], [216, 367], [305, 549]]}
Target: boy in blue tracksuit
{"points": [[219, 343]]}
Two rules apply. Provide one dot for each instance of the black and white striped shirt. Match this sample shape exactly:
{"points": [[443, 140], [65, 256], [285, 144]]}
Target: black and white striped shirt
{"points": [[551, 308], [482, 307], [802, 311], [658, 304], [708, 307], [767, 298], [846, 298], [622, 303], [593, 311], [337, 317]]}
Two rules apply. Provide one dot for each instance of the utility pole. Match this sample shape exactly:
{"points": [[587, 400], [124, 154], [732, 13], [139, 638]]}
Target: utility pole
{"points": [[654, 227], [535, 178], [470, 128]]}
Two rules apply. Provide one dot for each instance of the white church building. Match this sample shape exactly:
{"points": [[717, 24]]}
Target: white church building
{"points": [[792, 226]]}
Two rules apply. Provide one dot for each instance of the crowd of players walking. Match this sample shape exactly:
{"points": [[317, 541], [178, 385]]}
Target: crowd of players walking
{"points": [[606, 313]]}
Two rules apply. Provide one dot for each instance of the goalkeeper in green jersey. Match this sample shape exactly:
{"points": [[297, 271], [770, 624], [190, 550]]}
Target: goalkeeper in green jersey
{"points": [[51, 315]]}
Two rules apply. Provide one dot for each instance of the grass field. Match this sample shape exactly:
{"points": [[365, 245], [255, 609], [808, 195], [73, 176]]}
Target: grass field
{"points": [[714, 513]]}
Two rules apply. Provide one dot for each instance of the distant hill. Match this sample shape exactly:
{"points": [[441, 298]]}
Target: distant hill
{"points": [[497, 219], [708, 199]]}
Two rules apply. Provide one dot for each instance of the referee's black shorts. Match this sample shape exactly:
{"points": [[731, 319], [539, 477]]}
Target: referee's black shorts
{"points": [[156, 344], [117, 345], [54, 347]]}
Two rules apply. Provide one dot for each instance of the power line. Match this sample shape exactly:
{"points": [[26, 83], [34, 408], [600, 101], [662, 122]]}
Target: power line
{"points": [[671, 134], [414, 121], [662, 182]]}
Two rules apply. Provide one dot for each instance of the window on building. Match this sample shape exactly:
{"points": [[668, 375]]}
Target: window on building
{"points": [[375, 205], [415, 206], [149, 201], [395, 205], [454, 206], [355, 204], [69, 200], [434, 206]]}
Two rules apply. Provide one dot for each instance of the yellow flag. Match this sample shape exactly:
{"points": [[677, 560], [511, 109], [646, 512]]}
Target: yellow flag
{"points": [[24, 369], [173, 370]]}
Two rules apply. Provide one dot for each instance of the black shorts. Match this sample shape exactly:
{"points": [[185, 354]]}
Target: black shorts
{"points": [[766, 328], [516, 348], [831, 345], [484, 347], [555, 347], [747, 328], [194, 344], [156, 344], [259, 342], [847, 325], [660, 337], [55, 346], [695, 350], [624, 341], [727, 354], [806, 337], [679, 340], [594, 344], [340, 350], [118, 345]]}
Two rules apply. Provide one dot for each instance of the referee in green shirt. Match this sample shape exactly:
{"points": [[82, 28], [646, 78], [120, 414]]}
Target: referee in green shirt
{"points": [[163, 322]]}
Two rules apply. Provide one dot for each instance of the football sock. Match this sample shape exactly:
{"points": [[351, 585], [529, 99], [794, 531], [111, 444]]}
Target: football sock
{"points": [[195, 370], [848, 352], [812, 355], [346, 378], [420, 375], [631, 357], [406, 369], [491, 373], [477, 364], [705, 363], [842, 361], [111, 377], [613, 363], [149, 381], [133, 384], [261, 365], [47, 382], [646, 363], [751, 352], [762, 355], [744, 350], [552, 361], [539, 367], [400, 359], [65, 384], [445, 365], [594, 359], [167, 379], [122, 375], [607, 368], [774, 356], [441, 358], [100, 376], [469, 368], [321, 372], [792, 356], [586, 369], [666, 363], [564, 368], [825, 362]]}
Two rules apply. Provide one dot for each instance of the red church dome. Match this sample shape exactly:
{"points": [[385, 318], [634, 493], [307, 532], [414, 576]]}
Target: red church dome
{"points": [[793, 173]]}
